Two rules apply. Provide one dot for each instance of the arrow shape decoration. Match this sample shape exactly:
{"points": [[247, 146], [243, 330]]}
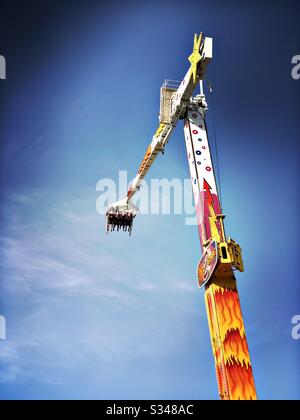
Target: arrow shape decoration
{"points": [[208, 188], [213, 221]]}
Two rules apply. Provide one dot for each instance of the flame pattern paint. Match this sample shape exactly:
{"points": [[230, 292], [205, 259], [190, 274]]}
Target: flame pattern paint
{"points": [[233, 366]]}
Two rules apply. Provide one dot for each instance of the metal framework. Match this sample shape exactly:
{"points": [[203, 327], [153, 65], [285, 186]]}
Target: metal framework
{"points": [[221, 256]]}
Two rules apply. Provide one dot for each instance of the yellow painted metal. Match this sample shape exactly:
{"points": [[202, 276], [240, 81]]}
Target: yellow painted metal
{"points": [[229, 251], [160, 129], [235, 252], [195, 57]]}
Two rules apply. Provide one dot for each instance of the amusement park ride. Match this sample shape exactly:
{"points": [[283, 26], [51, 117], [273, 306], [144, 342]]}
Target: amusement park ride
{"points": [[221, 256]]}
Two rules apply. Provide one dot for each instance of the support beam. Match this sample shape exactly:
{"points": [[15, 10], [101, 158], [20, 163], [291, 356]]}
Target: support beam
{"points": [[225, 320]]}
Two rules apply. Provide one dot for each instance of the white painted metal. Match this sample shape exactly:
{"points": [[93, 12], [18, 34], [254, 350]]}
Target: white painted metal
{"points": [[180, 101], [123, 206]]}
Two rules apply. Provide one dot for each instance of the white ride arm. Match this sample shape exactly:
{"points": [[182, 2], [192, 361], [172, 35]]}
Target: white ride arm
{"points": [[199, 59], [157, 145], [175, 102]]}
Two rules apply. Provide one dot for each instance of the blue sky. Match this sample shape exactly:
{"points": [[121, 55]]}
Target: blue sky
{"points": [[91, 316]]}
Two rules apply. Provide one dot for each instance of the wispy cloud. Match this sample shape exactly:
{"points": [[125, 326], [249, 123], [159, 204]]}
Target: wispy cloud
{"points": [[77, 292]]}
